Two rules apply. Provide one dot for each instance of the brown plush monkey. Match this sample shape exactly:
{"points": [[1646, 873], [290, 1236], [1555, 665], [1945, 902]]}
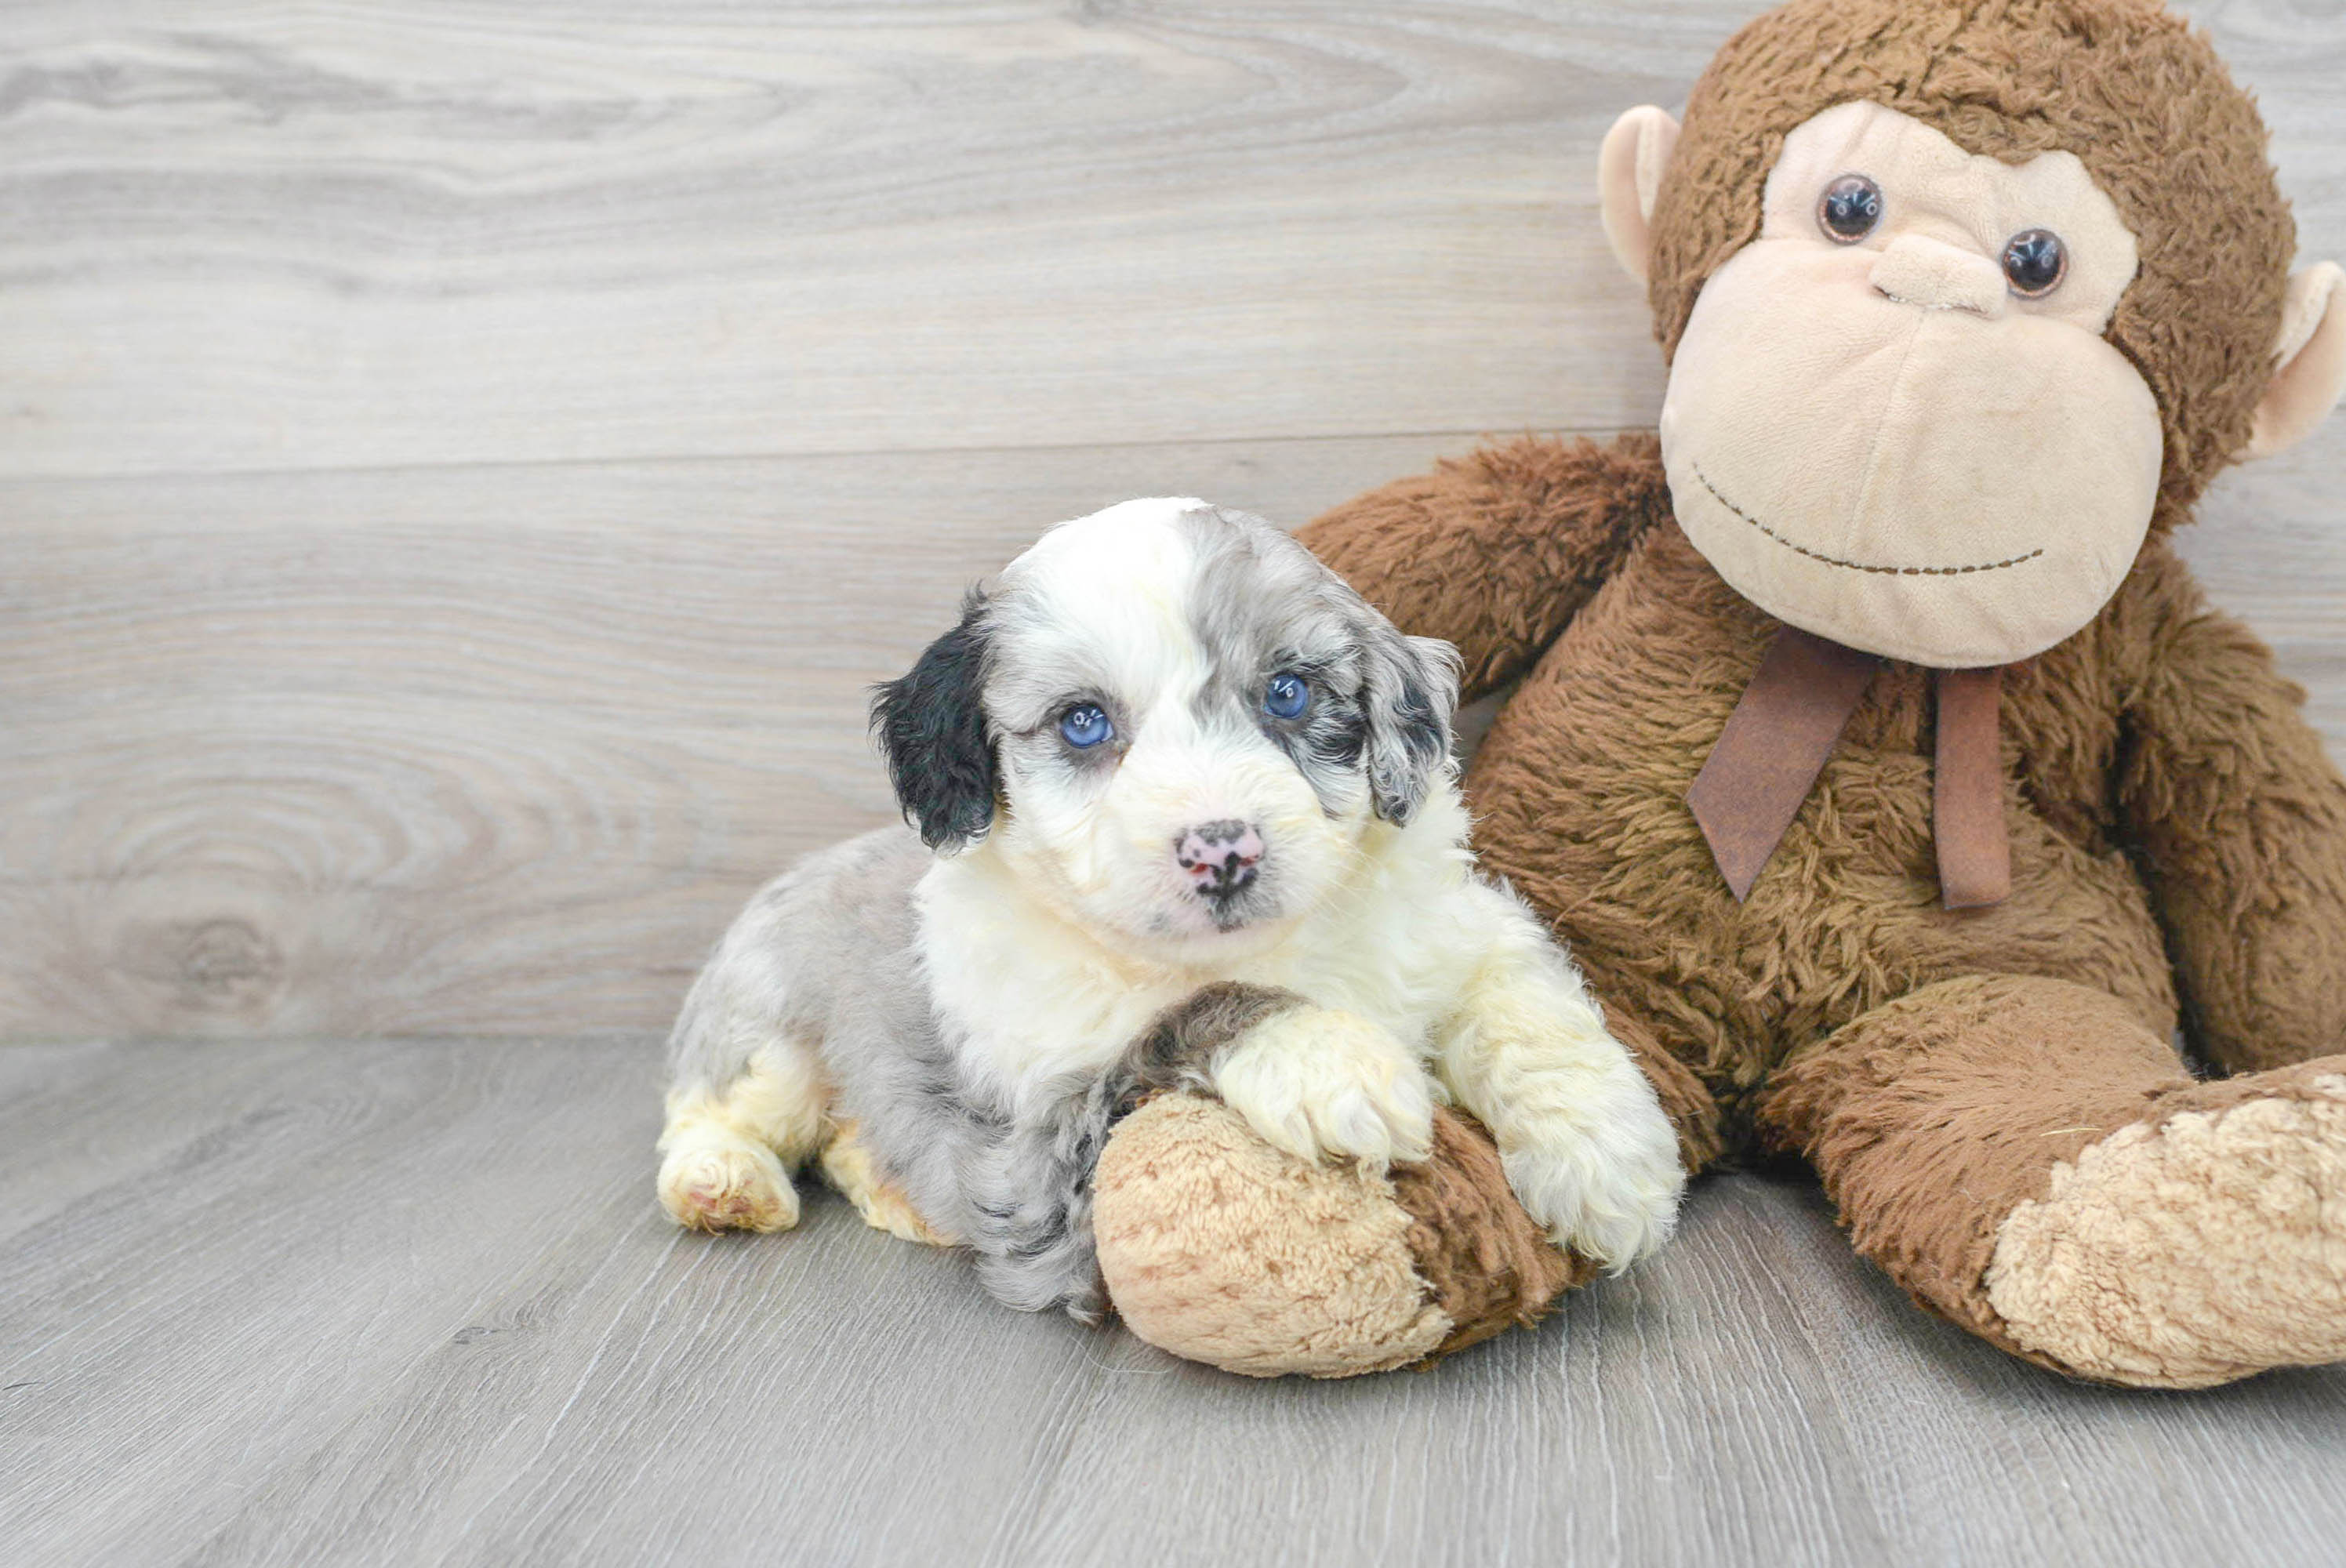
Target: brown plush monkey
{"points": [[1873, 751]]}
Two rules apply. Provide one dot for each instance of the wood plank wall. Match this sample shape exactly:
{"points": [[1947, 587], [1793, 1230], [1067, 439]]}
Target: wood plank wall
{"points": [[461, 464]]}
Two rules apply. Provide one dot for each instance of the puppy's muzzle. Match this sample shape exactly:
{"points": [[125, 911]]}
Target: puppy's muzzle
{"points": [[1219, 858]]}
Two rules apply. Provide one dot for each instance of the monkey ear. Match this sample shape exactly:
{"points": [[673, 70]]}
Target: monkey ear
{"points": [[1628, 177], [931, 724], [2309, 361]]}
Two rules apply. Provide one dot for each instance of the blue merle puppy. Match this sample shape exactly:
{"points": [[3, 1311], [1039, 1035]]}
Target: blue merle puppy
{"points": [[1182, 813]]}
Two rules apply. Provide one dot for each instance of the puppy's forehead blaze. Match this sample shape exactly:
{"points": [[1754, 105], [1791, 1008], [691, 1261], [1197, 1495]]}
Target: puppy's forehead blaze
{"points": [[1098, 607], [1162, 604]]}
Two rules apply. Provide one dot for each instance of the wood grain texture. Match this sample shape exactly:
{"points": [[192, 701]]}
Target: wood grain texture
{"points": [[464, 749], [269, 237], [505, 232], [412, 1303], [426, 604]]}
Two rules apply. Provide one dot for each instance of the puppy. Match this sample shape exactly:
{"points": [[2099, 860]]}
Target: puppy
{"points": [[1186, 816]]}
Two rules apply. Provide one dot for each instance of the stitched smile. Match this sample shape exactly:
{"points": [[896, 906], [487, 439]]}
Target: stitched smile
{"points": [[1859, 565]]}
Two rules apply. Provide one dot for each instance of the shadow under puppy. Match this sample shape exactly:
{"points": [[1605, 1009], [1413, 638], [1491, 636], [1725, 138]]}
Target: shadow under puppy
{"points": [[1186, 817]]}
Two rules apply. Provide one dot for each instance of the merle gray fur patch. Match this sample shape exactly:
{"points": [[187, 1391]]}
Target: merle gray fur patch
{"points": [[1261, 604]]}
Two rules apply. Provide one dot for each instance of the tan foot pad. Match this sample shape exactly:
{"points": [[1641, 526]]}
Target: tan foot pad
{"points": [[2189, 1253], [1219, 1248], [848, 1165]]}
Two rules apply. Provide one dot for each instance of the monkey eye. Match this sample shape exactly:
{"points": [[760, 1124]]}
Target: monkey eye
{"points": [[2035, 261], [1849, 208]]}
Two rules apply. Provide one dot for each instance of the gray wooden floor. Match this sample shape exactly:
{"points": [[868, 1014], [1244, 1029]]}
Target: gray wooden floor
{"points": [[462, 463], [412, 1303]]}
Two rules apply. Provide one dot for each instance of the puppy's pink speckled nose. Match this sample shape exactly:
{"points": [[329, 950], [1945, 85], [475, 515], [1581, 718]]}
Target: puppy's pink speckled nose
{"points": [[1220, 857]]}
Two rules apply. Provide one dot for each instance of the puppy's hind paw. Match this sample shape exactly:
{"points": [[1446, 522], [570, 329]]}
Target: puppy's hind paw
{"points": [[850, 1167], [712, 1180], [1320, 1083]]}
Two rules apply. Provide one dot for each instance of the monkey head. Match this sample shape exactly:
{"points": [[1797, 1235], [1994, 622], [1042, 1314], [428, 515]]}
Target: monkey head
{"points": [[1962, 301]]}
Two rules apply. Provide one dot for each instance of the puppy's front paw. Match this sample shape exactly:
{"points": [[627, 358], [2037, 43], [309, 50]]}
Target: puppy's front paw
{"points": [[1318, 1083], [713, 1180], [1609, 1189]]}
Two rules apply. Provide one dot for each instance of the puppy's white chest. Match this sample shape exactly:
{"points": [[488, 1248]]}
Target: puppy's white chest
{"points": [[1025, 1003], [1016, 1043]]}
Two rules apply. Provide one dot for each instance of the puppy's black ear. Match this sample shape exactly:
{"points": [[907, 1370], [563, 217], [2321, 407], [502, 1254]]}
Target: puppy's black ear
{"points": [[1411, 692], [930, 725]]}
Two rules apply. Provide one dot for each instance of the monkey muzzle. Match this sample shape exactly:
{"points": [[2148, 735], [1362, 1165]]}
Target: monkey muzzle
{"points": [[1949, 483]]}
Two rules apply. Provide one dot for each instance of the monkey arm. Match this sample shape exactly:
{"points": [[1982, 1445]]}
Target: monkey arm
{"points": [[2241, 822], [1495, 551]]}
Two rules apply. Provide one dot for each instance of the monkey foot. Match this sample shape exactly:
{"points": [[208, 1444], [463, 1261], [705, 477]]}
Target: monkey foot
{"points": [[1217, 1246], [2193, 1248]]}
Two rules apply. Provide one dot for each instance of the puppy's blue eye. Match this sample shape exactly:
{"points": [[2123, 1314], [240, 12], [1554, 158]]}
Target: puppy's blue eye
{"points": [[1085, 727], [1286, 696]]}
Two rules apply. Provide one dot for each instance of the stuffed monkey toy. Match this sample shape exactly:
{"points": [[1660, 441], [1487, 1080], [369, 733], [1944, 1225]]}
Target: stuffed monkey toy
{"points": [[1872, 747]]}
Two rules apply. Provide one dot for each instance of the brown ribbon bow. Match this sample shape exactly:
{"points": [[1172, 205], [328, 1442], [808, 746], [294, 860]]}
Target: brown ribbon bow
{"points": [[1778, 738]]}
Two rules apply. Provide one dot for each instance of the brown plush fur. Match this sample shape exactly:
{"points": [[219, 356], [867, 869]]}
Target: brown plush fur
{"points": [[1485, 1263], [1935, 1116], [2172, 817], [2177, 838], [1691, 1107]]}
